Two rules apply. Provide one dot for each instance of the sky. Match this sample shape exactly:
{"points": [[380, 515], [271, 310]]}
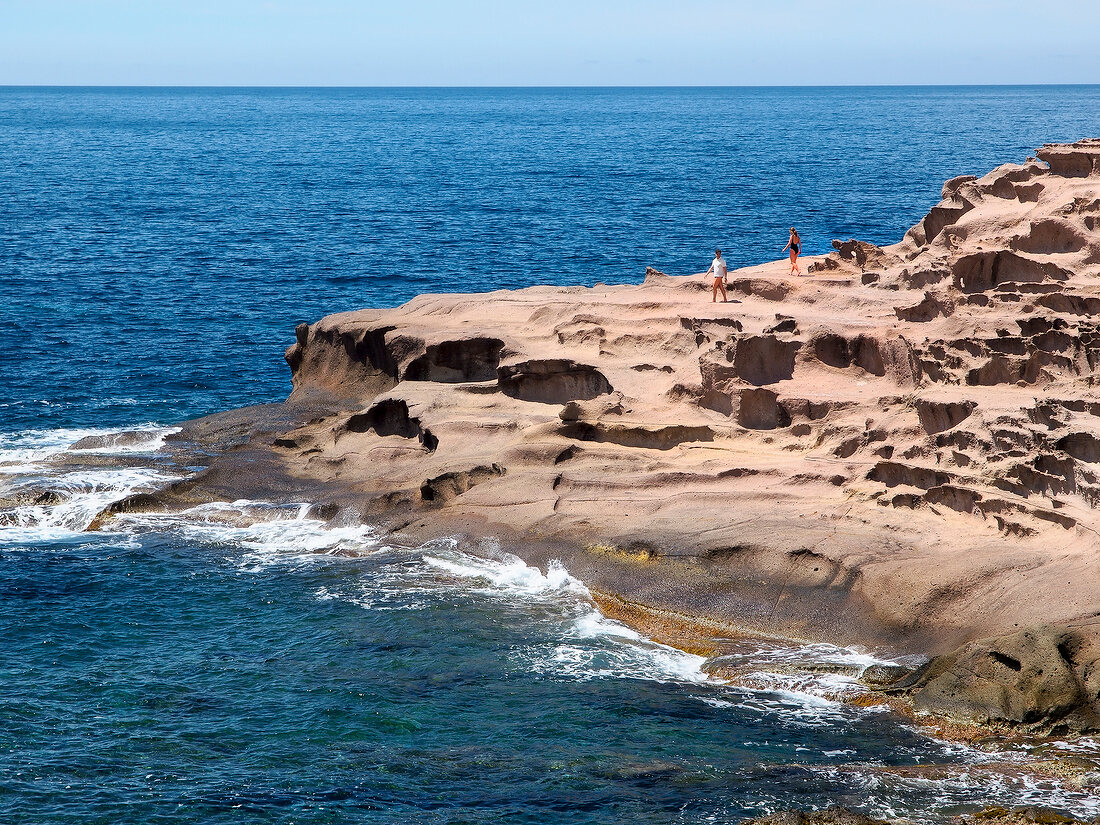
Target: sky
{"points": [[553, 42]]}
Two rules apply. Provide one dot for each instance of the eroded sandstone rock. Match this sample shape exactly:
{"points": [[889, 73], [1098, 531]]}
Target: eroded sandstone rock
{"points": [[552, 381], [1044, 680], [903, 449], [992, 815]]}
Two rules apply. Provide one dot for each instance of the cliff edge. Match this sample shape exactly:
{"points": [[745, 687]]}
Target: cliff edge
{"points": [[902, 448]]}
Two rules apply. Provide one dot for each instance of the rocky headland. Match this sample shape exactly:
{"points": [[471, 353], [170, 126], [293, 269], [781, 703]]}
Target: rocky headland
{"points": [[901, 449]]}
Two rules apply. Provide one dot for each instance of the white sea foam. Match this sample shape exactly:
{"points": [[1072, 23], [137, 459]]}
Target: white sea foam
{"points": [[816, 690], [588, 645], [818, 657], [715, 702], [508, 574], [64, 501], [271, 534], [72, 501], [818, 676], [26, 451], [145, 439], [615, 655], [948, 785]]}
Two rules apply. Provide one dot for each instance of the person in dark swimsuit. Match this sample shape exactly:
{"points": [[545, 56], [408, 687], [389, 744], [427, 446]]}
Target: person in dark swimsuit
{"points": [[795, 245]]}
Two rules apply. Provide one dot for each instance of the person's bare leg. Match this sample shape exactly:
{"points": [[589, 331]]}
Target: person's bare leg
{"points": [[722, 287], [714, 292]]}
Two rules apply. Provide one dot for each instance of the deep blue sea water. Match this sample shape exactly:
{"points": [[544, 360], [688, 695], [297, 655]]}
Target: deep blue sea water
{"points": [[240, 664]]}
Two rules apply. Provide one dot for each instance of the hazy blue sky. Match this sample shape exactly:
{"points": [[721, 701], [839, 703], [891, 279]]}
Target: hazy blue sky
{"points": [[556, 42]]}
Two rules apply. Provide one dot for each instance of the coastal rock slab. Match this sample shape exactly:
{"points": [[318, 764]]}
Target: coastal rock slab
{"points": [[902, 449], [1042, 679]]}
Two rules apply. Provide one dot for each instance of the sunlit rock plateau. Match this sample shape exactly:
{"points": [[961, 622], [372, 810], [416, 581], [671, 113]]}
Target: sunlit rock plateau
{"points": [[901, 448]]}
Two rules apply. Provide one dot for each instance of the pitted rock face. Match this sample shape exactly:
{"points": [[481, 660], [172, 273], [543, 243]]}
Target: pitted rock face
{"points": [[1041, 679], [552, 381], [456, 362], [907, 440]]}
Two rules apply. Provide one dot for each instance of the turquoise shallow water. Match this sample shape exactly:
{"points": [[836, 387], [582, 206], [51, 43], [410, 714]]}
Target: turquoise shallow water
{"points": [[247, 664]]}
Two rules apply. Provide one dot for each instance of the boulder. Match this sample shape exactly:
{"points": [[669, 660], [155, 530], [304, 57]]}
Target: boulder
{"points": [[1041, 680]]}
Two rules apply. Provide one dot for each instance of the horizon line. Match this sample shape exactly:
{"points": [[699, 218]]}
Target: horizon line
{"points": [[543, 86]]}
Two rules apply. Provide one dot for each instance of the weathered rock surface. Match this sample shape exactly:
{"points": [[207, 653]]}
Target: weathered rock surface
{"points": [[1042, 680], [901, 450], [988, 816], [830, 816]]}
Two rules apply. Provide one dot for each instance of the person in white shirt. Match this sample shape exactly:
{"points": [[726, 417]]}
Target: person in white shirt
{"points": [[718, 268]]}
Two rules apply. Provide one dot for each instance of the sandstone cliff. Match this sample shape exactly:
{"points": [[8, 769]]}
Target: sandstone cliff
{"points": [[902, 448]]}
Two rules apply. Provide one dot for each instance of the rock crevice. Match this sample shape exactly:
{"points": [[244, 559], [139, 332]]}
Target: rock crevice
{"points": [[923, 415]]}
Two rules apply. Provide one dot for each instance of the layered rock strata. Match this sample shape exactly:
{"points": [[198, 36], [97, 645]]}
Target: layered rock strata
{"points": [[902, 449]]}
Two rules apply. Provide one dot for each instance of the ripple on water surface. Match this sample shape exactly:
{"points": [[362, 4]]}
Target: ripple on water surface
{"points": [[244, 659]]}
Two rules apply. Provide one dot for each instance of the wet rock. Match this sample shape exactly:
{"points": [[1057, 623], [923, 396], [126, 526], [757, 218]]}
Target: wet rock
{"points": [[112, 441], [1041, 680], [878, 676], [993, 815], [835, 815], [49, 498]]}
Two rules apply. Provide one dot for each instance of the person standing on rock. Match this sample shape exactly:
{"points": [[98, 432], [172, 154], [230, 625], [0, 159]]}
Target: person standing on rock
{"points": [[795, 245], [719, 269]]}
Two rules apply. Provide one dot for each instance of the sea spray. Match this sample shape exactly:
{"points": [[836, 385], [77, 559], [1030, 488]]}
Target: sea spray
{"points": [[550, 650], [51, 496]]}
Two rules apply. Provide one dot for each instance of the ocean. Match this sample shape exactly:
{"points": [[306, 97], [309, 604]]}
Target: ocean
{"points": [[246, 663]]}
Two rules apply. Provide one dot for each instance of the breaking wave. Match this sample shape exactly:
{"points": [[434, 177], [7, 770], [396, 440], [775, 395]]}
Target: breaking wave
{"points": [[45, 496]]}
